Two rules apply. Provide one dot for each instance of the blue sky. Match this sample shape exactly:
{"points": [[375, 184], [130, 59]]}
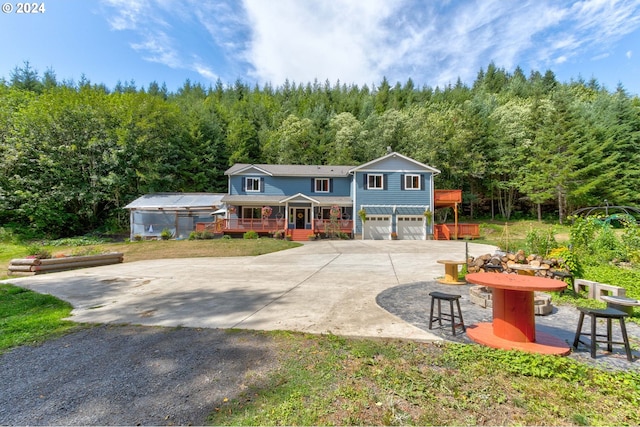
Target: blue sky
{"points": [[354, 41]]}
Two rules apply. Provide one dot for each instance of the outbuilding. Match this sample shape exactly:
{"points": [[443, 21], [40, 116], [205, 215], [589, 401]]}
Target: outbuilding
{"points": [[177, 213]]}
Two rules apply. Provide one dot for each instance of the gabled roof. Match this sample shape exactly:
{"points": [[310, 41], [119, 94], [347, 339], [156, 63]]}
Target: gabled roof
{"points": [[299, 196], [371, 165], [177, 201], [319, 171]]}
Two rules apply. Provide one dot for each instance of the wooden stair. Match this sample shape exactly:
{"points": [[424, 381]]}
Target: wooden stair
{"points": [[300, 234]]}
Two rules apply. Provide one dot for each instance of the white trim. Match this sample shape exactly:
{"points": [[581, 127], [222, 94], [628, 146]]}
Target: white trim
{"points": [[299, 195], [413, 176], [243, 171], [394, 154], [315, 185], [378, 175]]}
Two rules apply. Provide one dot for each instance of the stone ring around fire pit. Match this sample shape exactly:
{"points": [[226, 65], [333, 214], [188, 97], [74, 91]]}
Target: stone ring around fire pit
{"points": [[482, 296]]}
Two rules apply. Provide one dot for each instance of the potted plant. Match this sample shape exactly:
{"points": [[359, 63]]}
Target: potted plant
{"points": [[363, 215], [288, 236], [311, 237], [428, 215]]}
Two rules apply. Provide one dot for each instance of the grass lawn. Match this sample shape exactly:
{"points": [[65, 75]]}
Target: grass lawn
{"points": [[161, 249]]}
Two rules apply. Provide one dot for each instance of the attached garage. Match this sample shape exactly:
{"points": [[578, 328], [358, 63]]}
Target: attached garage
{"points": [[410, 227], [378, 227]]}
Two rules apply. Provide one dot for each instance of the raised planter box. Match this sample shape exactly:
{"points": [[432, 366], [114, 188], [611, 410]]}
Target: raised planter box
{"points": [[30, 266]]}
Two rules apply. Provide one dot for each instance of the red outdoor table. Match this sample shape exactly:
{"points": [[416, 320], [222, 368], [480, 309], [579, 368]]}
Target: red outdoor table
{"points": [[513, 326]]}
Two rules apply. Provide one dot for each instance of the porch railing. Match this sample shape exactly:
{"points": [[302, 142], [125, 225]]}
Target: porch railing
{"points": [[324, 225], [448, 231]]}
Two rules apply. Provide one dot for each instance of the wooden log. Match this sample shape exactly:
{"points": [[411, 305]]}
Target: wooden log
{"points": [[77, 259], [24, 261], [23, 268], [71, 265]]}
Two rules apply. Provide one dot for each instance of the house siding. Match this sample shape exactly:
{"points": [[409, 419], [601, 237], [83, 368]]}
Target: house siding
{"points": [[288, 186], [393, 194], [346, 182]]}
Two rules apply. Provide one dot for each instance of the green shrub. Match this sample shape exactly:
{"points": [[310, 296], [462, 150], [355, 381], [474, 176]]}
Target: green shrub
{"points": [[631, 242], [78, 241], [7, 236], [201, 235], [540, 242], [567, 260], [38, 251], [84, 251], [607, 246], [166, 234], [226, 237], [250, 235], [582, 232]]}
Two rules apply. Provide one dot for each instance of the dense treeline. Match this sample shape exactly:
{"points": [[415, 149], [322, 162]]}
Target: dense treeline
{"points": [[73, 154]]}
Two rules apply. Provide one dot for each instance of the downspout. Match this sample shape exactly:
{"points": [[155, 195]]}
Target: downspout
{"points": [[131, 235], [355, 205]]}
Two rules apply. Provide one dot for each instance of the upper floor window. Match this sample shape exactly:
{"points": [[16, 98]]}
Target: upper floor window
{"points": [[375, 181], [252, 184], [412, 182], [322, 185]]}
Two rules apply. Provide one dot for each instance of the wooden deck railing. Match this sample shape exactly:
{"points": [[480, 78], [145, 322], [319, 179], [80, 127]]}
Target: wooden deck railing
{"points": [[447, 231], [444, 197]]}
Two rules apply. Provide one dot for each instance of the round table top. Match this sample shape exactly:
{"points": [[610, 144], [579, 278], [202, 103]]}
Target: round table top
{"points": [[448, 261], [515, 282]]}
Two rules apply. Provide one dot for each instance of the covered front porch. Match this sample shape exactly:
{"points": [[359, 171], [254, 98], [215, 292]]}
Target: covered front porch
{"points": [[298, 216]]}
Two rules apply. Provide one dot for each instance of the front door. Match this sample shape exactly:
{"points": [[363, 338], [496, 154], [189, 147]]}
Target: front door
{"points": [[300, 217]]}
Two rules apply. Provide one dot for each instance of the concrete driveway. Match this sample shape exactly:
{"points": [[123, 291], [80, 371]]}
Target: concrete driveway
{"points": [[321, 287]]}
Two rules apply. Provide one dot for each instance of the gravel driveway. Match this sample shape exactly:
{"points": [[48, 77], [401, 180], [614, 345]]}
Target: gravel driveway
{"points": [[129, 375]]}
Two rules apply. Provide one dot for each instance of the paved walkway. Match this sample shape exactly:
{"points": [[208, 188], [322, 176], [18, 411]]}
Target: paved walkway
{"points": [[350, 288]]}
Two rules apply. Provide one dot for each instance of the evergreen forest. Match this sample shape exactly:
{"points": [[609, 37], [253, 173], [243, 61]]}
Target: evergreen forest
{"points": [[72, 154]]}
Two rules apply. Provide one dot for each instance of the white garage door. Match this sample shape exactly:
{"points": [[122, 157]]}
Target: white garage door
{"points": [[410, 227], [378, 227]]}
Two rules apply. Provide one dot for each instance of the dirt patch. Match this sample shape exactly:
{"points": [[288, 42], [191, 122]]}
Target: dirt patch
{"points": [[128, 375]]}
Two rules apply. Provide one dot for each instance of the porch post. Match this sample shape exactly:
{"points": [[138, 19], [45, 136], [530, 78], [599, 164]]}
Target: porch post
{"points": [[286, 217]]}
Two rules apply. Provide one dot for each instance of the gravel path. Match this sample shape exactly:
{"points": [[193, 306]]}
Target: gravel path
{"points": [[127, 375]]}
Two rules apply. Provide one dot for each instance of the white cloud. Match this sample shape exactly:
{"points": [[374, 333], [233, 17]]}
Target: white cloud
{"points": [[360, 41], [629, 54], [302, 40], [158, 47], [205, 71]]}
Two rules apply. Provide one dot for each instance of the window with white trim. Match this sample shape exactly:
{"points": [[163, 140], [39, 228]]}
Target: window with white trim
{"points": [[412, 182], [322, 185], [252, 184], [254, 213], [375, 181]]}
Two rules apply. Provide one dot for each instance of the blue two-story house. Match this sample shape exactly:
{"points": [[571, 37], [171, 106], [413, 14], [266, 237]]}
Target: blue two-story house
{"points": [[389, 197]]}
